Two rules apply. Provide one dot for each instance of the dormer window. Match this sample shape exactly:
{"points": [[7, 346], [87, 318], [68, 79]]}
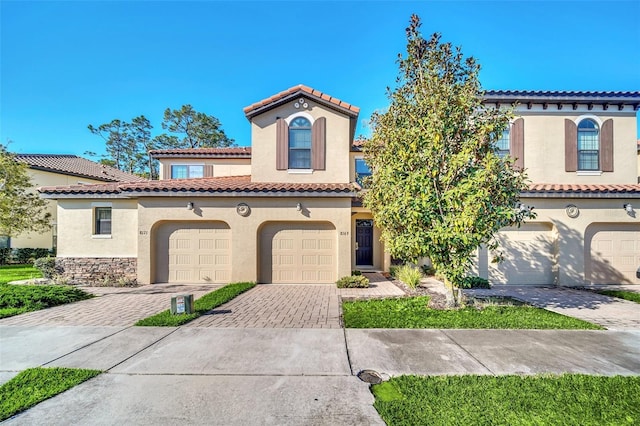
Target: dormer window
{"points": [[300, 143], [588, 145]]}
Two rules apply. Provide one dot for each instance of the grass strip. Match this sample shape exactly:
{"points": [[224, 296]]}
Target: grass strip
{"points": [[34, 385], [412, 312], [622, 294], [18, 299], [570, 399], [10, 273], [201, 306]]}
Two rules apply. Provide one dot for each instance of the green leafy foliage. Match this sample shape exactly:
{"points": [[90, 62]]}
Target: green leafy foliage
{"points": [[17, 299], [410, 275], [128, 143], [197, 129], [438, 188], [622, 294], [353, 281], [570, 399], [201, 306], [412, 312], [46, 266], [475, 282], [21, 208], [35, 385]]}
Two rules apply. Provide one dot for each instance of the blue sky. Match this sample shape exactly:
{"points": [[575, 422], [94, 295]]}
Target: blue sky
{"points": [[65, 65]]}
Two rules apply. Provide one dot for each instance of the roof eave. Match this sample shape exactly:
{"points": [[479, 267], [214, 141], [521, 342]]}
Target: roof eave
{"points": [[291, 96]]}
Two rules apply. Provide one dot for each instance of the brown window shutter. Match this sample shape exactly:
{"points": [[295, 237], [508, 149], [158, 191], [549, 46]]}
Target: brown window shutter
{"points": [[318, 144], [166, 171], [606, 146], [282, 144], [517, 143], [570, 146], [208, 170]]}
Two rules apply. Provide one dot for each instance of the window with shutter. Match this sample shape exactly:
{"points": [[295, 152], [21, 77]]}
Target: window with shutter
{"points": [[588, 144]]}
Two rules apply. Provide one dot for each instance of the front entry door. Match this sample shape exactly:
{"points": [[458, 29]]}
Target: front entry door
{"points": [[364, 242]]}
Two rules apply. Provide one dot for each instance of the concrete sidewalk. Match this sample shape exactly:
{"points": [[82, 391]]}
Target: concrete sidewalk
{"points": [[234, 376]]}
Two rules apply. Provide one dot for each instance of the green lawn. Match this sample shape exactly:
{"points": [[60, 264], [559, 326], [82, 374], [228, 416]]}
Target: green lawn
{"points": [[18, 299], [622, 294], [412, 312], [35, 385], [570, 399], [201, 306], [10, 273]]}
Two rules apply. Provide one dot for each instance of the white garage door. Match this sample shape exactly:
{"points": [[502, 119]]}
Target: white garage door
{"points": [[298, 253], [193, 253], [615, 254], [528, 256]]}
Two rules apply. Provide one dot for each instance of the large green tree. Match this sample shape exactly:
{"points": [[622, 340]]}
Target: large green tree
{"points": [[438, 188], [128, 143], [195, 129], [21, 209]]}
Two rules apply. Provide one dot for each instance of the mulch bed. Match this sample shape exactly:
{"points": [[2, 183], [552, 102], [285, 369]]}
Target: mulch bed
{"points": [[436, 300]]}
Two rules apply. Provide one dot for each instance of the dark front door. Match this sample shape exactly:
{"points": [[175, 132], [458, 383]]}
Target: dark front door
{"points": [[364, 242]]}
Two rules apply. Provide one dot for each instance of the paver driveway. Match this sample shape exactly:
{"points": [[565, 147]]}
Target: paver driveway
{"points": [[113, 306], [265, 306]]}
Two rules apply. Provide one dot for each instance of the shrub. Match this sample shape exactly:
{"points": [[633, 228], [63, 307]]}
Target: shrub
{"points": [[428, 270], [353, 281], [409, 275], [356, 272], [393, 271], [47, 266], [5, 255], [22, 255], [475, 282]]}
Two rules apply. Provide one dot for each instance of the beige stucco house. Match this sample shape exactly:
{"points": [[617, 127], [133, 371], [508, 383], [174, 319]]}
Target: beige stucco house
{"points": [[286, 209], [58, 170]]}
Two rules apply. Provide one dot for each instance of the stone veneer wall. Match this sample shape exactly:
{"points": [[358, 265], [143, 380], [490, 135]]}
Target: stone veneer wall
{"points": [[98, 270]]}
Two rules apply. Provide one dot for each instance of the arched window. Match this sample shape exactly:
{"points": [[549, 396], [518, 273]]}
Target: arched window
{"points": [[300, 143], [588, 145]]}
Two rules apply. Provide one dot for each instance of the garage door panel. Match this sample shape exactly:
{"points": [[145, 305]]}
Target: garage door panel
{"points": [[298, 253], [614, 254], [193, 252], [528, 256]]}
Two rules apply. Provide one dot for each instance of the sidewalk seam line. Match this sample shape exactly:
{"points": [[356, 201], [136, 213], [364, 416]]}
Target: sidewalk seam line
{"points": [[467, 352], [141, 350], [86, 346]]}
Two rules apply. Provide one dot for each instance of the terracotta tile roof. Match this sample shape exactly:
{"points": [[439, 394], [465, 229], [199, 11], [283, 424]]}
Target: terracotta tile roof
{"points": [[203, 185], [560, 188], [550, 96], [76, 166], [235, 152], [291, 93]]}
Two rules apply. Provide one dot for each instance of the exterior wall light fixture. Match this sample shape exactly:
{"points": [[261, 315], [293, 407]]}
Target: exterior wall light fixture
{"points": [[628, 208], [299, 207], [189, 205]]}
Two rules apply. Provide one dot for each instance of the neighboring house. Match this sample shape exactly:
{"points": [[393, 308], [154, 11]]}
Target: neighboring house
{"points": [[55, 169], [286, 209]]}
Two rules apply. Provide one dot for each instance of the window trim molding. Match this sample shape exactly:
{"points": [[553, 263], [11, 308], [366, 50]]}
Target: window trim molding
{"points": [[94, 206], [300, 171], [302, 114], [595, 118], [589, 172], [187, 165]]}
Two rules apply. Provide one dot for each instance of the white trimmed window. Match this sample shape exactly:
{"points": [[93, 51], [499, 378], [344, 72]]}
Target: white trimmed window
{"points": [[588, 145], [502, 144], [300, 143], [102, 221], [187, 171]]}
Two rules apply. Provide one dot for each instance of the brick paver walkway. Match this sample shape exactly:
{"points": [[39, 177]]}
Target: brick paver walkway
{"points": [[609, 312], [113, 306], [292, 305]]}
